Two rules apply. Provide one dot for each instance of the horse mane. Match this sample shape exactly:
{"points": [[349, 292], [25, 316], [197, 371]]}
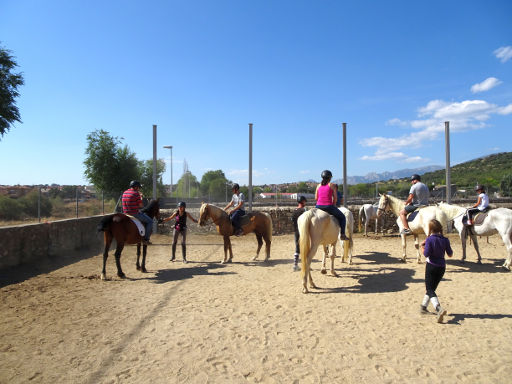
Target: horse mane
{"points": [[451, 210]]}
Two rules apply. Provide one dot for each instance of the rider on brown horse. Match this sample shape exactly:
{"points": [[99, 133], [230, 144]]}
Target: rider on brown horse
{"points": [[237, 201], [132, 203]]}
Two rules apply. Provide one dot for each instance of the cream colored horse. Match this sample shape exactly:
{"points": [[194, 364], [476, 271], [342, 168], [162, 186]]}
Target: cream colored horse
{"points": [[258, 222], [419, 225], [369, 212], [498, 220], [316, 228]]}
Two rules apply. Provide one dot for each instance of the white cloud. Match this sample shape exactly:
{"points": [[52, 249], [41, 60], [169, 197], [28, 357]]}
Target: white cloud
{"points": [[503, 53], [507, 110], [485, 85], [396, 122]]}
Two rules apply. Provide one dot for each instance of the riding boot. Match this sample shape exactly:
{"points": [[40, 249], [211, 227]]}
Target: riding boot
{"points": [[184, 252], [173, 252]]}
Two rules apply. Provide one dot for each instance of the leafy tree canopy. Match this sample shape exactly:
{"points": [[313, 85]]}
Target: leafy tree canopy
{"points": [[9, 83]]}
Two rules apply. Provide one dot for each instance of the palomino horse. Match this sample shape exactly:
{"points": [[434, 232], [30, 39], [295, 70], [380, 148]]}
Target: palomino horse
{"points": [[316, 228], [418, 225], [120, 227], [498, 220], [258, 222], [368, 212]]}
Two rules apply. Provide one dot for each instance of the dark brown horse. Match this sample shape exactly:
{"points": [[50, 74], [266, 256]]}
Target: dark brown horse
{"points": [[120, 227], [258, 222]]}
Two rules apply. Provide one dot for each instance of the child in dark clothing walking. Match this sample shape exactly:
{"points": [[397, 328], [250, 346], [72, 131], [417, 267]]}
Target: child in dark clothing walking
{"points": [[301, 200], [180, 228], [434, 247]]}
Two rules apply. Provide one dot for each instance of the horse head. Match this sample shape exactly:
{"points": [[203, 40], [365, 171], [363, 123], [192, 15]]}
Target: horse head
{"points": [[152, 209], [203, 214], [383, 204]]}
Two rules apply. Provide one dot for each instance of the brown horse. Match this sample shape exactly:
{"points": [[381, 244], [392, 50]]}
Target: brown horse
{"points": [[258, 222], [120, 227]]}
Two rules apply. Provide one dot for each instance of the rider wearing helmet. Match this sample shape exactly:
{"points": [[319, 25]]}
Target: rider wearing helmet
{"points": [[237, 202], [325, 196], [301, 203], [180, 228], [132, 203], [481, 205], [418, 197]]}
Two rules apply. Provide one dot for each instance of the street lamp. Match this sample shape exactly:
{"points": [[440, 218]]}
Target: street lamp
{"points": [[170, 147]]}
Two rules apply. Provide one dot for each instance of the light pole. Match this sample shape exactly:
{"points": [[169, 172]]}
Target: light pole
{"points": [[170, 147]]}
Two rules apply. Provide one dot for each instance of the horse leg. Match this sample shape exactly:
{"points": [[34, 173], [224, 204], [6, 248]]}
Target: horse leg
{"points": [[323, 271], [333, 256], [137, 265], [347, 250], [404, 248], [108, 241], [144, 252], [417, 246], [463, 238], [260, 244], [226, 246], [507, 240], [268, 243], [475, 245], [119, 249]]}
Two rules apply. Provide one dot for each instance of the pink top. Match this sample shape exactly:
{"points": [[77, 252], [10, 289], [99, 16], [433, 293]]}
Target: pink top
{"points": [[324, 195]]}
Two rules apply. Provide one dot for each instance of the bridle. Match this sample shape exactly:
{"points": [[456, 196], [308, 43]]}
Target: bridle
{"points": [[385, 205]]}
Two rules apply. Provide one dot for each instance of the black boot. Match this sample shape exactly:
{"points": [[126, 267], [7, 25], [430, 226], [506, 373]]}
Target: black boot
{"points": [[184, 252]]}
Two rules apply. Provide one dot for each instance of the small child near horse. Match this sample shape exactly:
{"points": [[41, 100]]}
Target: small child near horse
{"points": [[180, 228], [301, 201], [481, 205], [434, 247]]}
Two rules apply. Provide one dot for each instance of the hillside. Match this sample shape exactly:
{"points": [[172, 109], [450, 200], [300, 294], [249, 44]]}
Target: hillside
{"points": [[488, 170]]}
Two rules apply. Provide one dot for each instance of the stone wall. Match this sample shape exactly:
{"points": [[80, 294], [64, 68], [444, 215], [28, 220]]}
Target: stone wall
{"points": [[29, 243]]}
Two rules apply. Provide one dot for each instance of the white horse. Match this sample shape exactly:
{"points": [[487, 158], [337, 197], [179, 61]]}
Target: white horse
{"points": [[498, 220], [316, 228], [419, 224], [368, 212]]}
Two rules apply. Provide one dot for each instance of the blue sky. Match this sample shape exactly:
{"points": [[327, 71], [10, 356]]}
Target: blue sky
{"points": [[394, 71]]}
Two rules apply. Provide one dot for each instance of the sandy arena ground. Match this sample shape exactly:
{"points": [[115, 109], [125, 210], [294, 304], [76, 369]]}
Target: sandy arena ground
{"points": [[204, 322]]}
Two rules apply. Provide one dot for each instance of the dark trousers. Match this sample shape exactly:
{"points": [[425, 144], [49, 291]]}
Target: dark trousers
{"points": [[332, 210], [472, 212], [235, 218], [433, 276], [296, 235], [183, 234]]}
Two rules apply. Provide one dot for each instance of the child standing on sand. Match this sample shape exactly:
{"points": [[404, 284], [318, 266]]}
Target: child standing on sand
{"points": [[180, 228], [434, 247]]}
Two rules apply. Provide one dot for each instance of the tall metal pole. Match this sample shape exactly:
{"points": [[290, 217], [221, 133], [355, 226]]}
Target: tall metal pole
{"points": [[154, 172], [447, 151], [345, 185], [250, 167]]}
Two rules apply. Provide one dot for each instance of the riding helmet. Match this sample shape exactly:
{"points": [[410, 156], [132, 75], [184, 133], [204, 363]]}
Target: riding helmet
{"points": [[415, 177], [235, 186], [135, 183], [326, 174], [182, 204], [479, 187], [301, 199]]}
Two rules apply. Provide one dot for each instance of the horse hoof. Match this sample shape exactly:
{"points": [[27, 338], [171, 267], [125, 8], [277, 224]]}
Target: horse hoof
{"points": [[229, 261], [323, 271], [144, 270], [138, 267], [461, 261], [103, 277], [305, 290], [255, 258], [121, 275], [479, 262]]}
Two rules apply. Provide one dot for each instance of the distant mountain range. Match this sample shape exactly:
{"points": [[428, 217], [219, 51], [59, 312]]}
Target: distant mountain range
{"points": [[372, 177]]}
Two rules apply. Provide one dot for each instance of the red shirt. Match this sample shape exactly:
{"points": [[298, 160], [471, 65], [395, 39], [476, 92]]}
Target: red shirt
{"points": [[131, 201]]}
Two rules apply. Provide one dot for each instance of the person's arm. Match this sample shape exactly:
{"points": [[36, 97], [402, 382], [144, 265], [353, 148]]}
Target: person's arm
{"points": [[449, 250], [191, 218], [424, 248], [169, 218], [316, 192], [229, 205], [477, 202], [334, 194], [409, 199]]}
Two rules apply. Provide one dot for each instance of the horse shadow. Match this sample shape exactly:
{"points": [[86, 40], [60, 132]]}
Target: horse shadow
{"points": [[205, 269], [458, 317], [261, 263], [19, 273], [377, 258], [495, 266]]}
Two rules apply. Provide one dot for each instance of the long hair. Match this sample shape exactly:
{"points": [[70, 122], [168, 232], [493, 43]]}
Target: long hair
{"points": [[434, 226], [325, 181]]}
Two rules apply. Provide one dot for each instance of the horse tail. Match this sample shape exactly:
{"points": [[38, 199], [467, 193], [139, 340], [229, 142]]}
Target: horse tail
{"points": [[360, 219], [304, 223], [105, 222], [269, 227]]}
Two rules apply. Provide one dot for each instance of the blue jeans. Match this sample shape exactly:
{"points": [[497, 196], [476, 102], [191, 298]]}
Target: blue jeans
{"points": [[148, 223], [235, 218], [332, 210]]}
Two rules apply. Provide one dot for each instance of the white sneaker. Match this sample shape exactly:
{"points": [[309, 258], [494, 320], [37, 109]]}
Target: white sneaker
{"points": [[406, 231]]}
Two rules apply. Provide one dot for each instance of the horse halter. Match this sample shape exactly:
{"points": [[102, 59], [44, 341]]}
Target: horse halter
{"points": [[385, 205]]}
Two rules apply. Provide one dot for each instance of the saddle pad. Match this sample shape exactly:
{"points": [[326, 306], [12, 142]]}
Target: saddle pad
{"points": [[412, 215], [140, 226], [479, 218]]}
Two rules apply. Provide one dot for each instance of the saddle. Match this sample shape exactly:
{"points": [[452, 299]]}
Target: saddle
{"points": [[478, 219], [137, 222]]}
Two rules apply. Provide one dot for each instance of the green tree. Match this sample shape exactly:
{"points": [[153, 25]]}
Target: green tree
{"points": [[10, 209], [506, 185], [213, 185], [108, 166], [9, 83], [146, 177], [29, 202], [188, 186]]}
